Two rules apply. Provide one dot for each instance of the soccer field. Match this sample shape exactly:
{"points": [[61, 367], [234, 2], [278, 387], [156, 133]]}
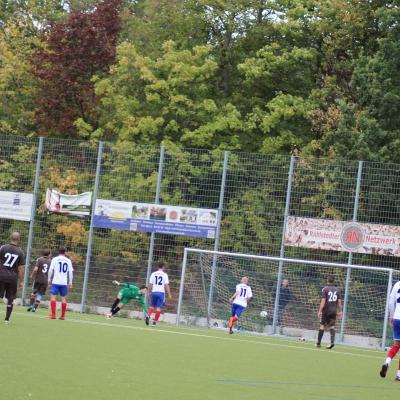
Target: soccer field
{"points": [[89, 357]]}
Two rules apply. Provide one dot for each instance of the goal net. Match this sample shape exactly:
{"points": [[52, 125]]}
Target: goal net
{"points": [[289, 290]]}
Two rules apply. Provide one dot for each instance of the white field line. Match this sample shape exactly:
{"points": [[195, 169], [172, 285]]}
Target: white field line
{"points": [[205, 336]]}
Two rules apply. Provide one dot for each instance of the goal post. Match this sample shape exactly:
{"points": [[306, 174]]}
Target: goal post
{"points": [[209, 278]]}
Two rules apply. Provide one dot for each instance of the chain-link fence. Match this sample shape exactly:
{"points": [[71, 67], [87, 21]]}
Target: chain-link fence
{"points": [[254, 193]]}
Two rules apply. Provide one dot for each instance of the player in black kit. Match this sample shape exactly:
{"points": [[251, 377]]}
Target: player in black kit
{"points": [[12, 261], [329, 308], [39, 274]]}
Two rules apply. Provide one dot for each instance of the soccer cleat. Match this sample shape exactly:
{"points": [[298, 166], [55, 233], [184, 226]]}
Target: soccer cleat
{"points": [[230, 331], [397, 379], [147, 320], [51, 316], [29, 308], [6, 322], [331, 346], [109, 315], [33, 310], [62, 318], [383, 371], [318, 345], [154, 324]]}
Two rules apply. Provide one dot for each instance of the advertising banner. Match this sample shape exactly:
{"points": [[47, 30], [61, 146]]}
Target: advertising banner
{"points": [[157, 218], [354, 237], [75, 204], [16, 205]]}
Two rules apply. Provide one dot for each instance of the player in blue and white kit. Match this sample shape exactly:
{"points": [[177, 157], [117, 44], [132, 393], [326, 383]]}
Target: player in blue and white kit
{"points": [[60, 279], [239, 301], [158, 283], [394, 311]]}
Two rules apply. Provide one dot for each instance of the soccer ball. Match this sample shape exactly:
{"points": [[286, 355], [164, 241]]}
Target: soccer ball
{"points": [[263, 314], [302, 339]]}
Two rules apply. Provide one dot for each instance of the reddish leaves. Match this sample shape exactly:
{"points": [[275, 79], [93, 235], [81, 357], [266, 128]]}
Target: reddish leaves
{"points": [[77, 49]]}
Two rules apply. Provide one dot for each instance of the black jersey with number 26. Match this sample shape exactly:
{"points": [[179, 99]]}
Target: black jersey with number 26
{"points": [[11, 257], [331, 295]]}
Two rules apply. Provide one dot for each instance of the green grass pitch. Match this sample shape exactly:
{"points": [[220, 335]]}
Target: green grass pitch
{"points": [[88, 357]]}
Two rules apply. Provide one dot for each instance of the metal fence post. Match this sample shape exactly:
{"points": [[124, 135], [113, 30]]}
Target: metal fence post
{"points": [[181, 286], [32, 220], [217, 234], [282, 250], [90, 238], [350, 258], [156, 201], [386, 319]]}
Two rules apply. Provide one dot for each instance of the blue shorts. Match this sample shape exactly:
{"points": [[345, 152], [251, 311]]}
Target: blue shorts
{"points": [[157, 299], [237, 309], [396, 329], [62, 290]]}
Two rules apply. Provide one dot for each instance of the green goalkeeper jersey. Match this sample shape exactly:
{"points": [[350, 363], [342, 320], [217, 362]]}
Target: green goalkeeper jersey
{"points": [[132, 292]]}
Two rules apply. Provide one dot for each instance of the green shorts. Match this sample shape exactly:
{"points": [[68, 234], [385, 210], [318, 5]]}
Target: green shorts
{"points": [[125, 296]]}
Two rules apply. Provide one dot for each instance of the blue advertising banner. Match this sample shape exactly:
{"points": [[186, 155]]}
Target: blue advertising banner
{"points": [[157, 218]]}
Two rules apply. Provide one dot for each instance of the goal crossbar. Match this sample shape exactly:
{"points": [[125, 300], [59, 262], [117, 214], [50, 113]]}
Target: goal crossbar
{"points": [[286, 260]]}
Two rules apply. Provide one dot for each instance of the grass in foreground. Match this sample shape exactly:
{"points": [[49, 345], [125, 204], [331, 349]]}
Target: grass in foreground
{"points": [[88, 357]]}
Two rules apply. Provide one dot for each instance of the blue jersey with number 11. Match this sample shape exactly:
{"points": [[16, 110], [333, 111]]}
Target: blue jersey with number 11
{"points": [[62, 268]]}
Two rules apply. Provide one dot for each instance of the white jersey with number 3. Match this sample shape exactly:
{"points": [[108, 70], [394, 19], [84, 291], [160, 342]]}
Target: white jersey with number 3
{"points": [[159, 279], [62, 268], [394, 302], [243, 294]]}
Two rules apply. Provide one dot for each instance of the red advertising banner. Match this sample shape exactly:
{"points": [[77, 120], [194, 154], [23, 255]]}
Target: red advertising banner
{"points": [[354, 237]]}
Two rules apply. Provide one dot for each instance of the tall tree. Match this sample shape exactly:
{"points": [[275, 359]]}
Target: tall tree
{"points": [[170, 97], [343, 31], [76, 49], [368, 125], [17, 85], [149, 23]]}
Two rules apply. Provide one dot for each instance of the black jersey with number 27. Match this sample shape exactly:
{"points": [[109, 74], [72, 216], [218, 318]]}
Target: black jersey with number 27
{"points": [[11, 257]]}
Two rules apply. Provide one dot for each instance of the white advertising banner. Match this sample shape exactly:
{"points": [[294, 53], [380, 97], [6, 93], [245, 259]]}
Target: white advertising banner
{"points": [[347, 236], [75, 204], [16, 205]]}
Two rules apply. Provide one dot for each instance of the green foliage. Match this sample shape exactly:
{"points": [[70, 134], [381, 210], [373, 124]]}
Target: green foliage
{"points": [[169, 98], [17, 86], [368, 125], [245, 74]]}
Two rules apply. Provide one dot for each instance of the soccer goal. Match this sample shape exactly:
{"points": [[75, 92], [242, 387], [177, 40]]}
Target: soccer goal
{"points": [[286, 295]]}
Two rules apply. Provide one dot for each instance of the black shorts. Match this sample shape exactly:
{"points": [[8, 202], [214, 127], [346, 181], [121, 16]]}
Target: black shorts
{"points": [[39, 288], [8, 290], [328, 319]]}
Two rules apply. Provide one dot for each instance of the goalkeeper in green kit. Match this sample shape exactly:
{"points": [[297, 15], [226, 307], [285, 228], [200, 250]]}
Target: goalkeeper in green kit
{"points": [[129, 292]]}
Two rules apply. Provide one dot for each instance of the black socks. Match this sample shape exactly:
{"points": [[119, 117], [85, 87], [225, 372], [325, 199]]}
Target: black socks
{"points": [[320, 334], [9, 311]]}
